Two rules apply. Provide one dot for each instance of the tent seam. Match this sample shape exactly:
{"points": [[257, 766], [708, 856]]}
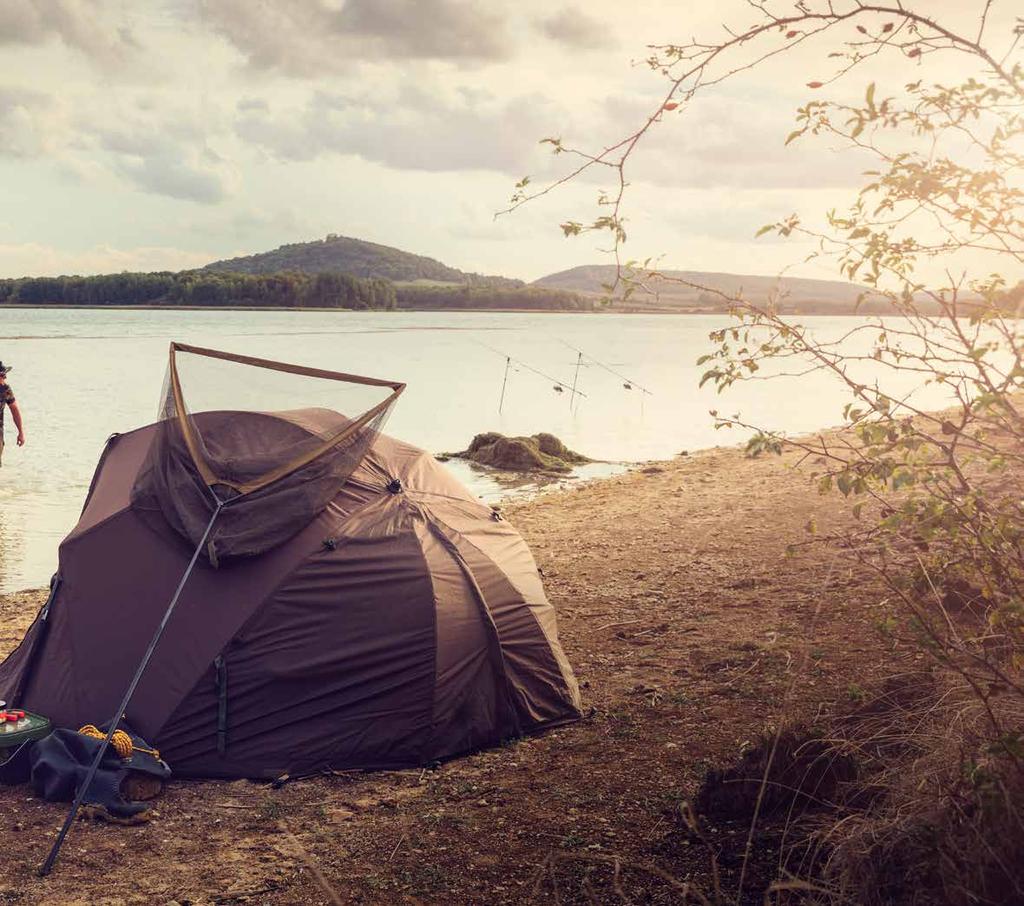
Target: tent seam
{"points": [[565, 682], [481, 600], [435, 601]]}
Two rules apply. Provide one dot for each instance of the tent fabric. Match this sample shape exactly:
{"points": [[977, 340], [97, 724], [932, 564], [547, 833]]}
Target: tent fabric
{"points": [[272, 474], [402, 624]]}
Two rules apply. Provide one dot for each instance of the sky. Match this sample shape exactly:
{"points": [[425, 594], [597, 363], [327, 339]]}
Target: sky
{"points": [[164, 134]]}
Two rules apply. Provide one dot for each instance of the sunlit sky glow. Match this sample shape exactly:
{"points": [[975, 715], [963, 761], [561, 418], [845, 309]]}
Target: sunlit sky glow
{"points": [[151, 134]]}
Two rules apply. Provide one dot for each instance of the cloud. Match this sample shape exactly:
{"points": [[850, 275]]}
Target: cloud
{"points": [[254, 223], [163, 151], [166, 174], [36, 259], [247, 103], [311, 37], [702, 213], [574, 28], [427, 29], [727, 142], [79, 24], [28, 123], [158, 150], [417, 131]]}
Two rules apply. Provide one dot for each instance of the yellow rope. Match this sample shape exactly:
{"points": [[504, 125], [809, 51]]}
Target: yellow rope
{"points": [[121, 742]]}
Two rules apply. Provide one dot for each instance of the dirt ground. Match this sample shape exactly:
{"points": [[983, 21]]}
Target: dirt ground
{"points": [[691, 632]]}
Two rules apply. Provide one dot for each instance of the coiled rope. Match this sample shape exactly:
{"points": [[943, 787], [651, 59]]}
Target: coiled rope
{"points": [[121, 742]]}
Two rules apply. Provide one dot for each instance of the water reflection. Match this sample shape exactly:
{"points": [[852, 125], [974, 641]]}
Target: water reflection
{"points": [[11, 553]]}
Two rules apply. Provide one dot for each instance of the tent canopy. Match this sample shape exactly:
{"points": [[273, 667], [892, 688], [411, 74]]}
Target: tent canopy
{"points": [[400, 623]]}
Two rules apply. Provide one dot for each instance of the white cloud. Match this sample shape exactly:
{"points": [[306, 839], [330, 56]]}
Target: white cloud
{"points": [[28, 123], [729, 140], [164, 150], [29, 258], [166, 174], [418, 131]]}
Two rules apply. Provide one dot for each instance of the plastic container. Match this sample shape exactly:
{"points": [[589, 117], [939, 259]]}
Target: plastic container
{"points": [[21, 726]]}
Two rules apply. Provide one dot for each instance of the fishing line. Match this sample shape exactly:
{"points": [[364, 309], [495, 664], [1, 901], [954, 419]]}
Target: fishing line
{"points": [[628, 384], [509, 360]]}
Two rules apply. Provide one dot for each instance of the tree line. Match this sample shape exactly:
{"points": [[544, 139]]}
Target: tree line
{"points": [[475, 297], [288, 289], [285, 289]]}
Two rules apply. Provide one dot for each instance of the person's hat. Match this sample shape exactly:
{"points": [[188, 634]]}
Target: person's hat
{"points": [[4, 369]]}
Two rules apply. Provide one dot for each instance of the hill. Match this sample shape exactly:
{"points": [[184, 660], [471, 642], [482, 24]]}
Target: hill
{"points": [[344, 255], [800, 294]]}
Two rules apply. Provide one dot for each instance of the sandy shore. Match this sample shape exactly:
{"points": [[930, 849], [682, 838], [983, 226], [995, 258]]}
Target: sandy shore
{"points": [[691, 632]]}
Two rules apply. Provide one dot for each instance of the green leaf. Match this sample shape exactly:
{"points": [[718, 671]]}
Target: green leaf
{"points": [[901, 480]]}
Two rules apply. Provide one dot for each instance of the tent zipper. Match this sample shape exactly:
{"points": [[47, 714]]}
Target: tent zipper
{"points": [[221, 668]]}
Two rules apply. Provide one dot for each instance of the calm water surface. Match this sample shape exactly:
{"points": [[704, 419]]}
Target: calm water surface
{"points": [[83, 375]]}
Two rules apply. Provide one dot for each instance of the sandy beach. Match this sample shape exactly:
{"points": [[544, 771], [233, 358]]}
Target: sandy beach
{"points": [[691, 632]]}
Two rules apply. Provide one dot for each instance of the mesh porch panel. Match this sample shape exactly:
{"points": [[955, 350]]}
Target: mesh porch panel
{"points": [[231, 430]]}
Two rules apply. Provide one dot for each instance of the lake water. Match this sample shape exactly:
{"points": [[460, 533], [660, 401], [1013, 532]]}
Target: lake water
{"points": [[82, 375]]}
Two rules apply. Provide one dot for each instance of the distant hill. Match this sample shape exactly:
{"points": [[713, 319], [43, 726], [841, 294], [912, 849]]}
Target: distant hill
{"points": [[803, 295], [344, 255]]}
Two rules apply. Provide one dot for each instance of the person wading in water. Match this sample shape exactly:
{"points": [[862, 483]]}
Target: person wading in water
{"points": [[7, 401]]}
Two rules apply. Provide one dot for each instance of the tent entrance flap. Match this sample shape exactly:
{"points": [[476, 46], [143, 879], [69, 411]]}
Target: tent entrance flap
{"points": [[268, 436]]}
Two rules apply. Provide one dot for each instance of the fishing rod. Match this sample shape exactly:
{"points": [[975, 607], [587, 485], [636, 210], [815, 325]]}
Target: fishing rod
{"points": [[628, 383], [504, 383], [560, 386], [83, 789], [575, 378]]}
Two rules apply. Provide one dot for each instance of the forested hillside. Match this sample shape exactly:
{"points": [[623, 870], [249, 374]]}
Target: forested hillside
{"points": [[342, 254]]}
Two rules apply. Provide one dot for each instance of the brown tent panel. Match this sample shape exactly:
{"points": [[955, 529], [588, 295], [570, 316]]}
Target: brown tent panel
{"points": [[403, 624]]}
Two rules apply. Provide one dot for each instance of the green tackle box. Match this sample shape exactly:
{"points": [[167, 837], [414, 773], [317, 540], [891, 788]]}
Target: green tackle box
{"points": [[32, 727]]}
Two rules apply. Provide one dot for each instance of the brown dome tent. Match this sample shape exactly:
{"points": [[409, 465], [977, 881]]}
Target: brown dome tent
{"points": [[371, 615]]}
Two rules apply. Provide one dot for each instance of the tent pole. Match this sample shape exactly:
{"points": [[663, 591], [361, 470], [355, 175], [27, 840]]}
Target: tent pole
{"points": [[47, 866]]}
